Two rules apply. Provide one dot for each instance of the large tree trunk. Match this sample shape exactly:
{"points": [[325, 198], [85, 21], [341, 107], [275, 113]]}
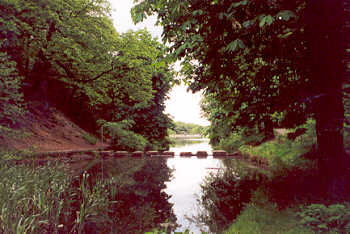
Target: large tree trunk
{"points": [[327, 41], [329, 114]]}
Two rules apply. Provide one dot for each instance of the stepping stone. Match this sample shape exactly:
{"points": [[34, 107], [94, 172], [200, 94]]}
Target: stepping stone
{"points": [[137, 154], [202, 154], [186, 154], [121, 153], [152, 153], [106, 154], [219, 153], [234, 154], [168, 154]]}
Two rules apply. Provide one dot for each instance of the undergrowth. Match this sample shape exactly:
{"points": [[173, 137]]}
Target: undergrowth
{"points": [[257, 219], [283, 150]]}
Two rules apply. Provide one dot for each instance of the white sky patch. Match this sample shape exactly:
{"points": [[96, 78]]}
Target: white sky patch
{"points": [[185, 106], [182, 105], [123, 22]]}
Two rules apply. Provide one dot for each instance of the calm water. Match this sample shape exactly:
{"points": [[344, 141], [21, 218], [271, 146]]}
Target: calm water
{"points": [[155, 192], [184, 187]]}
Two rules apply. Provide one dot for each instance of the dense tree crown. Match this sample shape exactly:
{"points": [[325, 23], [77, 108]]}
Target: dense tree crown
{"points": [[68, 53], [262, 64]]}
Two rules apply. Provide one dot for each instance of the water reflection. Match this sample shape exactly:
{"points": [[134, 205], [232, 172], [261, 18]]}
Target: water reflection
{"points": [[188, 175], [191, 145], [134, 189], [185, 187], [148, 193]]}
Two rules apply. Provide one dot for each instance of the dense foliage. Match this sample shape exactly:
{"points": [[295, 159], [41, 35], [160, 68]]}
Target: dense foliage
{"points": [[263, 64], [325, 219], [69, 54]]}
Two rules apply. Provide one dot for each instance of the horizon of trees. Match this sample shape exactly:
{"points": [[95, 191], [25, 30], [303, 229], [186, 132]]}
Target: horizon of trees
{"points": [[187, 129]]}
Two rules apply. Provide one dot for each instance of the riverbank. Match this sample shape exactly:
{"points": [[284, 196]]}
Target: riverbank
{"points": [[44, 128], [186, 136], [290, 197]]}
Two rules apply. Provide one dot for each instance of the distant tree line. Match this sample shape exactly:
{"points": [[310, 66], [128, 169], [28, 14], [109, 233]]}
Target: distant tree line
{"points": [[183, 128]]}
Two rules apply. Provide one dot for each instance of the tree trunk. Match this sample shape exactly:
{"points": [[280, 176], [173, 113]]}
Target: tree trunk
{"points": [[327, 44], [329, 114]]}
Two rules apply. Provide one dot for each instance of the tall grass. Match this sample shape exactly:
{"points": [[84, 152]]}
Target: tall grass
{"points": [[126, 199], [33, 200]]}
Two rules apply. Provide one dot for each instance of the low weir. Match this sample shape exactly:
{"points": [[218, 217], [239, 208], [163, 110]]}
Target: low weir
{"points": [[89, 154], [76, 156]]}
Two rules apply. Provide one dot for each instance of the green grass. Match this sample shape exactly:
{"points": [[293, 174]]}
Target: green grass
{"points": [[32, 199], [283, 150], [256, 219]]}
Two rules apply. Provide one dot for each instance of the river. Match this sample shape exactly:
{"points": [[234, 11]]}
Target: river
{"points": [[184, 187], [156, 192]]}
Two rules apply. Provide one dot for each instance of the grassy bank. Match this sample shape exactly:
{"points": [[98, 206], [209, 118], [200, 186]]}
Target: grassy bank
{"points": [[257, 219], [288, 198]]}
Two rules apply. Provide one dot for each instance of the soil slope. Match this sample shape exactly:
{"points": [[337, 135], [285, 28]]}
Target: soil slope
{"points": [[47, 129]]}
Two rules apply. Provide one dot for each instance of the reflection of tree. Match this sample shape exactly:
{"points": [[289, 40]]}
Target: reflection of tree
{"points": [[183, 142], [134, 188], [224, 195]]}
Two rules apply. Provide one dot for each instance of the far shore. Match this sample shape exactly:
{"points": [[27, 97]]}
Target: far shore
{"points": [[186, 136]]}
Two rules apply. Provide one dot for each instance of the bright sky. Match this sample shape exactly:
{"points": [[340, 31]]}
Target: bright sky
{"points": [[182, 105]]}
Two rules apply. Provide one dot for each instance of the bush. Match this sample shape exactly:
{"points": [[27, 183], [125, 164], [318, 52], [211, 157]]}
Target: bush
{"points": [[123, 138], [324, 219], [231, 143]]}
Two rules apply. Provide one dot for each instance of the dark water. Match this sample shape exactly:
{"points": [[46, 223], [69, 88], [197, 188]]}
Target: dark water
{"points": [[155, 192]]}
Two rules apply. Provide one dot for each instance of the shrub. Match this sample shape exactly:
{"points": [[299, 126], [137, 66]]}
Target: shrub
{"points": [[231, 143], [324, 219], [123, 138]]}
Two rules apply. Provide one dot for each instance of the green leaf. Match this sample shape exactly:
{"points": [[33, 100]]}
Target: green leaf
{"points": [[234, 45], [248, 23], [285, 15], [268, 20], [237, 4]]}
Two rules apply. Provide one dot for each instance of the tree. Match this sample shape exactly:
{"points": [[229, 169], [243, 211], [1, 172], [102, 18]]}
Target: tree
{"points": [[11, 99], [263, 58], [68, 53]]}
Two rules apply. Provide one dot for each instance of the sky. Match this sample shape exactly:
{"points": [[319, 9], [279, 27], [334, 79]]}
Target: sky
{"points": [[182, 105]]}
